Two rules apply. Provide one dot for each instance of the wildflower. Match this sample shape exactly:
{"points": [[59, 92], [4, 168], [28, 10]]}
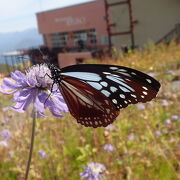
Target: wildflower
{"points": [[4, 143], [131, 137], [110, 127], [5, 109], [34, 86], [164, 103], [158, 133], [10, 154], [140, 106], [6, 134], [42, 154], [108, 147], [5, 120], [175, 117], [167, 121], [152, 74], [93, 171]]}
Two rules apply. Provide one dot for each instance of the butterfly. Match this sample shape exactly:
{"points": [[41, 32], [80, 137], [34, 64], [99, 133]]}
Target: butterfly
{"points": [[95, 93]]}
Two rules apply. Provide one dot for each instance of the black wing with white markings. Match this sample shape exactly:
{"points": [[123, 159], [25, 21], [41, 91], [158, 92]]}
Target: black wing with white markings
{"points": [[121, 85]]}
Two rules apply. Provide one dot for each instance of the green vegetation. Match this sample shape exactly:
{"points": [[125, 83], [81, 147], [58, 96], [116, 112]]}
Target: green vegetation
{"points": [[145, 136]]}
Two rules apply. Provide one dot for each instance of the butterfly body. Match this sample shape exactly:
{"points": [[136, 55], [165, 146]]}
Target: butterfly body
{"points": [[95, 93]]}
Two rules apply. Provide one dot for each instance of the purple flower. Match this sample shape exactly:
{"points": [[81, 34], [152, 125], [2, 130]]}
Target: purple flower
{"points": [[5, 120], [10, 154], [140, 106], [4, 143], [110, 127], [108, 147], [175, 117], [42, 154], [152, 74], [5, 109], [131, 137], [167, 121], [164, 103], [93, 171], [34, 86], [6, 134], [158, 133]]}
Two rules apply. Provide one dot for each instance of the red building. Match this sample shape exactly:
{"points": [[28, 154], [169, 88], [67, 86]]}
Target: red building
{"points": [[82, 25]]}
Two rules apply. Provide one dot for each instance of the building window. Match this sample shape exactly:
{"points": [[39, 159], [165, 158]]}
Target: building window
{"points": [[92, 36], [59, 39], [80, 35]]}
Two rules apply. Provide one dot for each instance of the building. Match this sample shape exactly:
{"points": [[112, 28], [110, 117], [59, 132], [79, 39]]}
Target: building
{"points": [[82, 25], [101, 24], [151, 20]]}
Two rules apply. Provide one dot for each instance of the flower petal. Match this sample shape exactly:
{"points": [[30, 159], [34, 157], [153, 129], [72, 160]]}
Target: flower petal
{"points": [[38, 104], [8, 85], [18, 76]]}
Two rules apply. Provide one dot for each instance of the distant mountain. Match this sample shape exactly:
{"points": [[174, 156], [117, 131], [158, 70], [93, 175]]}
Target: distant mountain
{"points": [[20, 40]]}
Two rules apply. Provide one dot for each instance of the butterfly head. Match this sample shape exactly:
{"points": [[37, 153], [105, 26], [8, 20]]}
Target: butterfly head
{"points": [[55, 73]]}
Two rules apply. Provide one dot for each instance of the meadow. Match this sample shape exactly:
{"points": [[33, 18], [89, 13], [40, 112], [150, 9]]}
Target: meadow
{"points": [[142, 144]]}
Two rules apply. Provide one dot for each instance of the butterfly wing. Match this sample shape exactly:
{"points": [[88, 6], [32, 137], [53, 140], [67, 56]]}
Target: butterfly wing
{"points": [[121, 85], [89, 106]]}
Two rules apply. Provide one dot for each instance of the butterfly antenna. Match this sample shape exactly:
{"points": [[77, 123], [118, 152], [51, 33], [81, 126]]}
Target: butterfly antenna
{"points": [[49, 94], [44, 56]]}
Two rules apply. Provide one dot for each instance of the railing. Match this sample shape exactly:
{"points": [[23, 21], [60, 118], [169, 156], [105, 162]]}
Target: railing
{"points": [[174, 34]]}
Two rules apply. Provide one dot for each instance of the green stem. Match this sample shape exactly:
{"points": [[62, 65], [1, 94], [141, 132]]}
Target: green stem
{"points": [[31, 146]]}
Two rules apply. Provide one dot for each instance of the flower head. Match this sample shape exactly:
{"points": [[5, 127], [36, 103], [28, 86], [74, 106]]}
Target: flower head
{"points": [[42, 154], [6, 134], [175, 117], [108, 147], [4, 143], [34, 86], [93, 171], [164, 102], [167, 121], [140, 106], [110, 127], [158, 133], [131, 137]]}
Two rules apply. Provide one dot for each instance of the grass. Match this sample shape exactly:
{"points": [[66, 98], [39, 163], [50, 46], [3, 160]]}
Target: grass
{"points": [[146, 140]]}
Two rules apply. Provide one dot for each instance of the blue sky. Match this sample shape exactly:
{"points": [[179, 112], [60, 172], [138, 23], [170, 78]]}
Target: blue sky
{"points": [[18, 15]]}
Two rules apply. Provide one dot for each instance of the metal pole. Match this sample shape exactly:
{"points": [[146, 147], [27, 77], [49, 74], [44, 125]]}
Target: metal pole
{"points": [[131, 24], [108, 25]]}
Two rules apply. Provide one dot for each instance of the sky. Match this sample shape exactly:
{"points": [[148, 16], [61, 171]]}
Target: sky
{"points": [[18, 15]]}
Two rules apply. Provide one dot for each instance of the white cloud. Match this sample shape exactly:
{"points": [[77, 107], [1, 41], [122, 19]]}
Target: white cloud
{"points": [[20, 14]]}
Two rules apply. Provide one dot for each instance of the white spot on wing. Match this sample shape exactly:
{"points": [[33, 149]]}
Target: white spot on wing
{"points": [[119, 81], [124, 89], [133, 95], [145, 88], [113, 89], [95, 85], [148, 80], [106, 93], [114, 101], [83, 75], [122, 70], [126, 74], [122, 96], [103, 83], [113, 68]]}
